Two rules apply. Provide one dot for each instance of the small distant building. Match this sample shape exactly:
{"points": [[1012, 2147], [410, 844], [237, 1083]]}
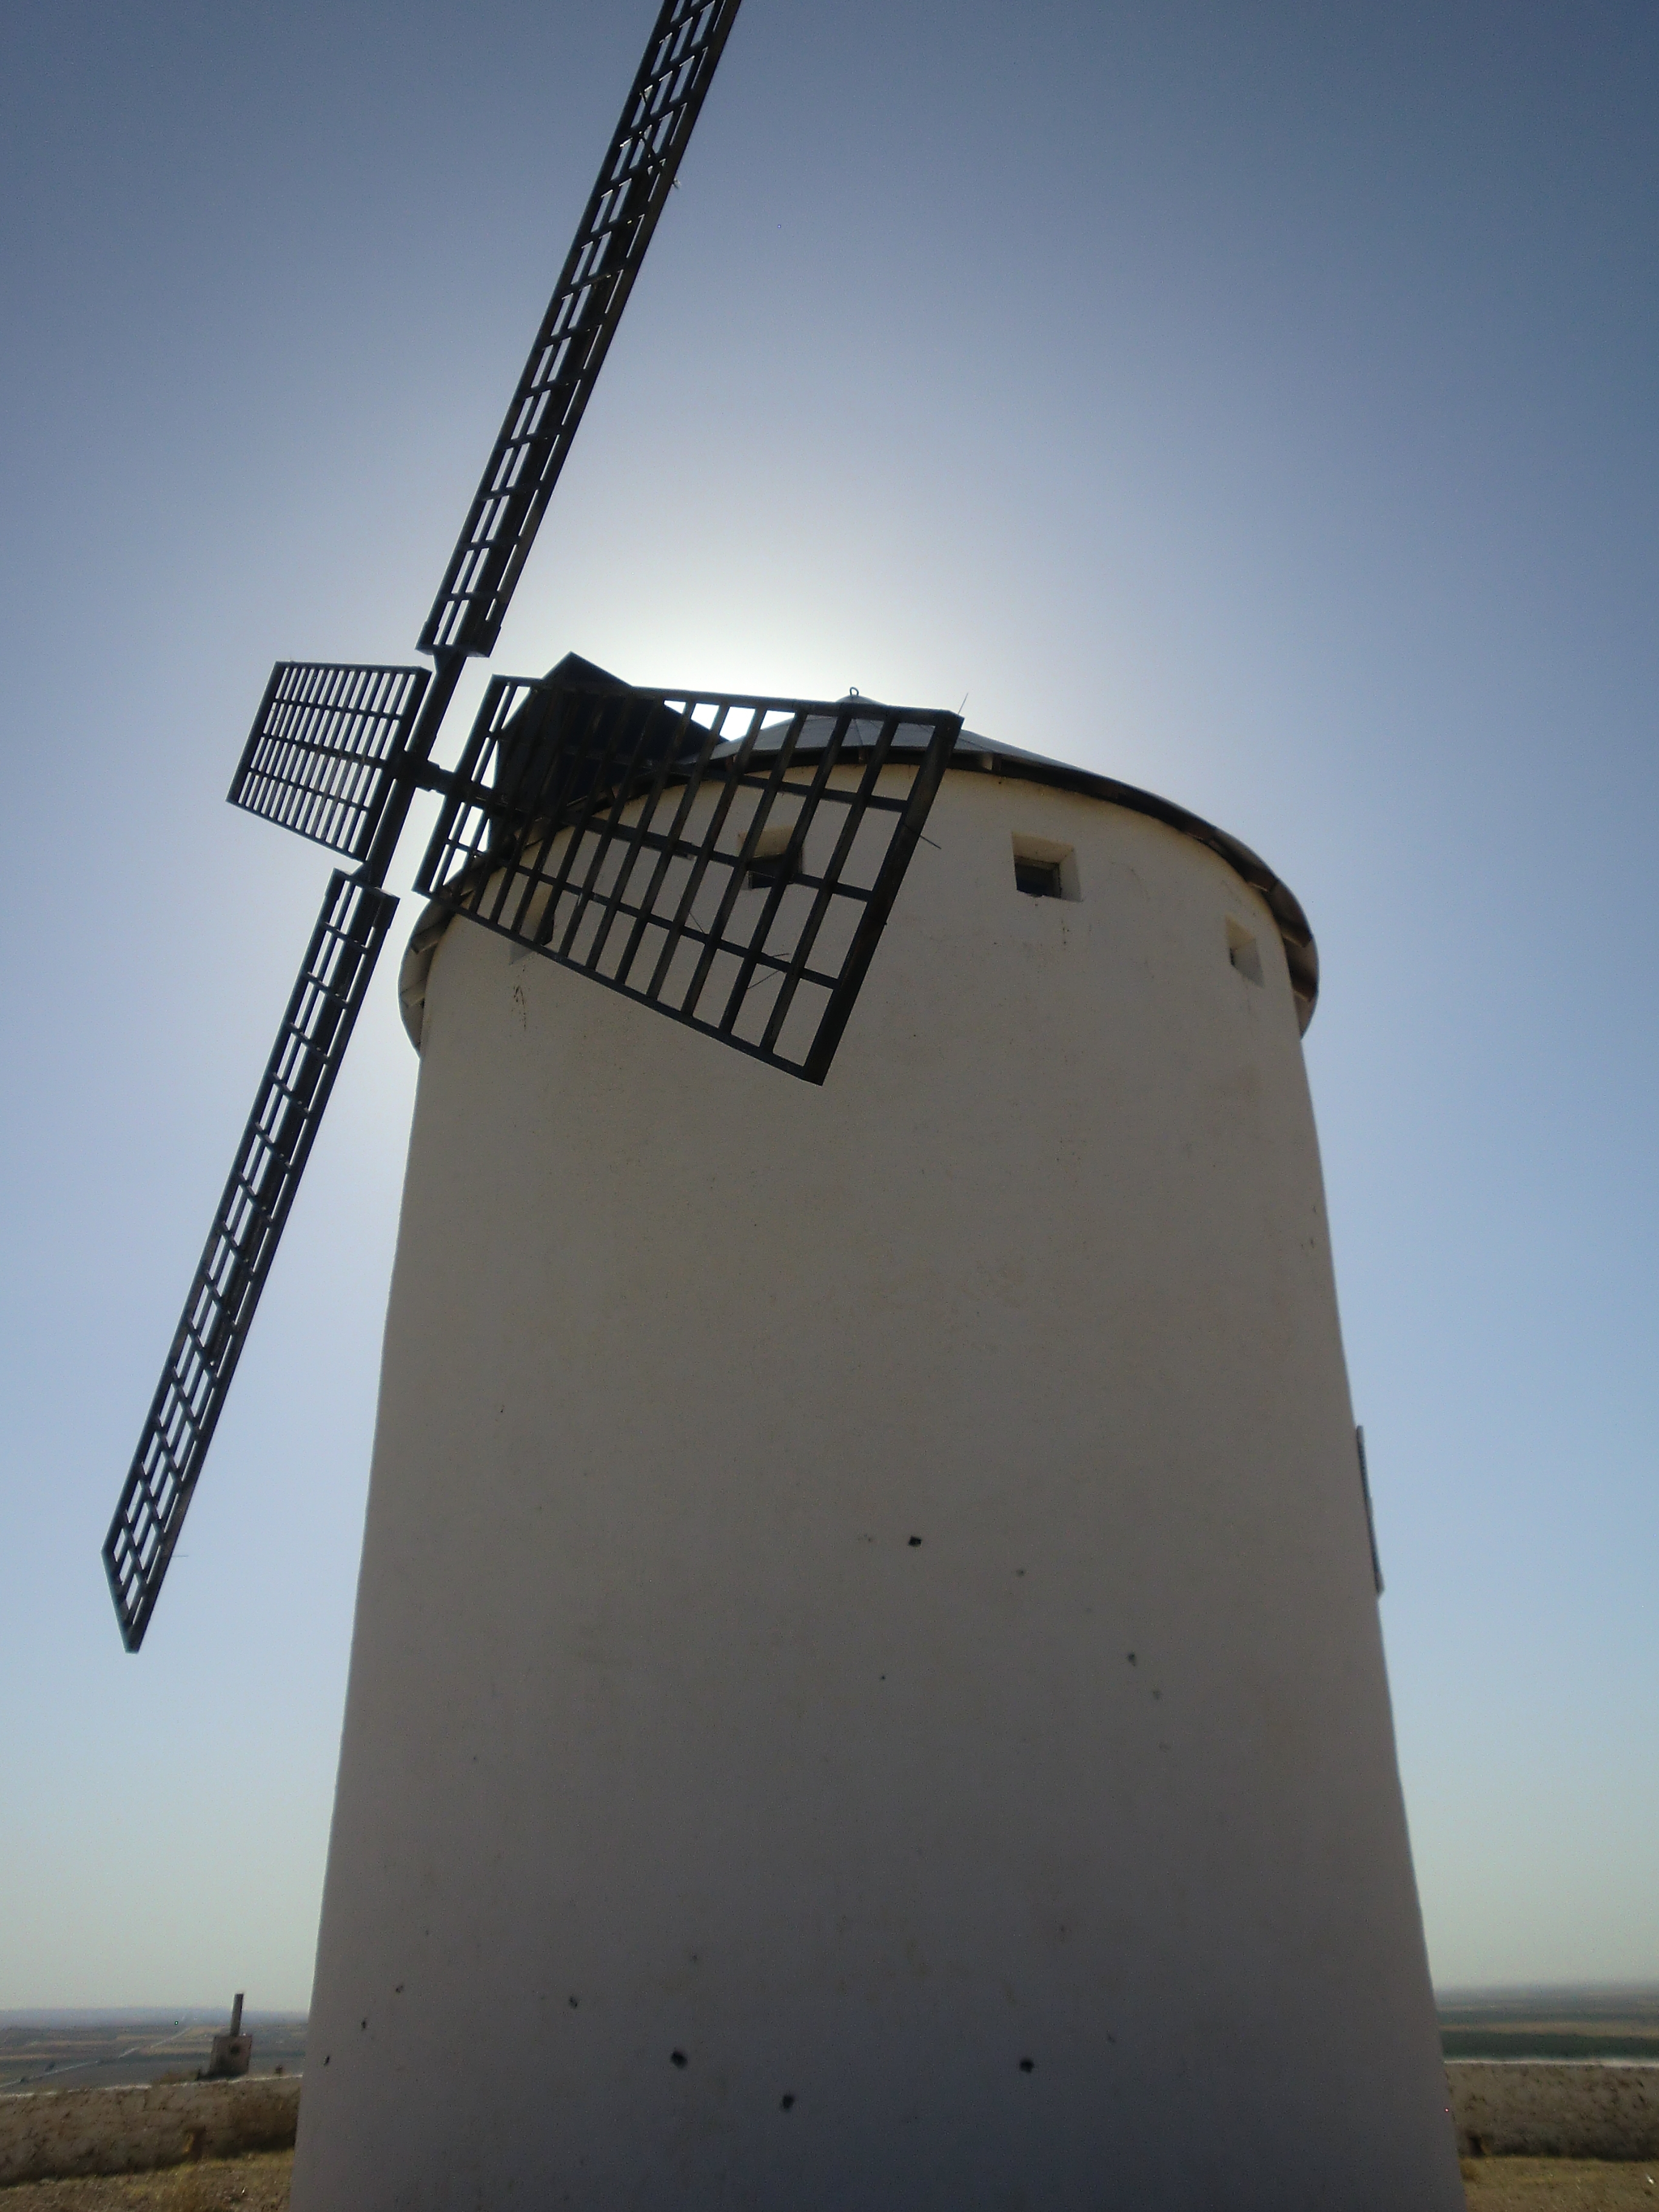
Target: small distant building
{"points": [[231, 2055]]}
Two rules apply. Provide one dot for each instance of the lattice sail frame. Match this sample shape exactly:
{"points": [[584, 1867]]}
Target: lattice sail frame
{"points": [[316, 1028], [323, 756], [617, 226], [337, 753], [727, 860]]}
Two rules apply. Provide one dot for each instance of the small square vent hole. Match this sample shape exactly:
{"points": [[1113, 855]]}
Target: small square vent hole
{"points": [[775, 859], [1043, 869], [1244, 950], [1040, 877]]}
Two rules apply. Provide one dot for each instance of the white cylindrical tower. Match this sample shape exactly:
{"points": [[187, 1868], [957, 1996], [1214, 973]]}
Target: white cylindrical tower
{"points": [[866, 1689]]}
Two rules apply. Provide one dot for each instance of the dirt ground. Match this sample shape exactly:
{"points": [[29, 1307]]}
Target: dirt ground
{"points": [[1556, 2184], [260, 2184]]}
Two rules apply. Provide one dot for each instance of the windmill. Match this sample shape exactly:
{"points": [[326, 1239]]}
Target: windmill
{"points": [[337, 754], [866, 1686]]}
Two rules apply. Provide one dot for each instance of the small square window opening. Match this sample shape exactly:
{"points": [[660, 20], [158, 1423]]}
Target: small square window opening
{"points": [[1043, 869], [1243, 951], [1041, 878], [775, 859]]}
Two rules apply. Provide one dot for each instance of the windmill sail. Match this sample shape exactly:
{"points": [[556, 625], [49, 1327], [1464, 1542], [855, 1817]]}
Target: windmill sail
{"points": [[242, 1243], [633, 183], [729, 861], [336, 753], [322, 755]]}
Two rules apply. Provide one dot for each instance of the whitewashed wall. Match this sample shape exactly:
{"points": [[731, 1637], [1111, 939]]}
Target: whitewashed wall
{"points": [[868, 1688]]}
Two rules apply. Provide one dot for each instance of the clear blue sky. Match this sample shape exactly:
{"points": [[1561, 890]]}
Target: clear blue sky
{"points": [[1253, 401]]}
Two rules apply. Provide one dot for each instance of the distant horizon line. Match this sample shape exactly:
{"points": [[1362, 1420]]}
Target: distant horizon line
{"points": [[1445, 1992], [100, 2015]]}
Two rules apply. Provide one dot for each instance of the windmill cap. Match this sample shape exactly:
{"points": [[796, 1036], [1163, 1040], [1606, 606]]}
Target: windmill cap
{"points": [[972, 754], [980, 755]]}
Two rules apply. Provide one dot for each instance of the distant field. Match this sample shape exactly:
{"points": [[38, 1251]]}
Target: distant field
{"points": [[86, 2048], [1544, 2043], [1595, 2024], [89, 2051]]}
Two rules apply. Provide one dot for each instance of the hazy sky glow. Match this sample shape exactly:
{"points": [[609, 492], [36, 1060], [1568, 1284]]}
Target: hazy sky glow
{"points": [[1253, 402]]}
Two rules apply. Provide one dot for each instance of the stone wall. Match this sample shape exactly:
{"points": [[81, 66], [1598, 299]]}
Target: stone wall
{"points": [[1503, 2108], [126, 2130], [1507, 2108]]}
